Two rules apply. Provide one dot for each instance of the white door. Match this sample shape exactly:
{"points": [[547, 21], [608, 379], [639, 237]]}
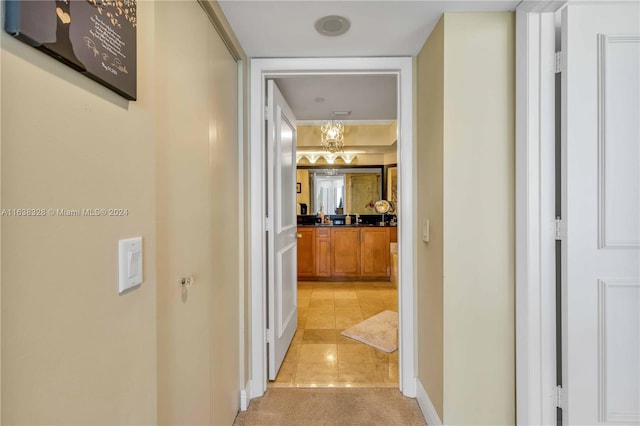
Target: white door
{"points": [[601, 210], [282, 229]]}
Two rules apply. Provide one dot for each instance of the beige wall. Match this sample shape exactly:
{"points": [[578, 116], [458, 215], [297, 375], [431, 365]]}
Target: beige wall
{"points": [[198, 225], [225, 221], [477, 225], [74, 351], [479, 343], [370, 134], [430, 121]]}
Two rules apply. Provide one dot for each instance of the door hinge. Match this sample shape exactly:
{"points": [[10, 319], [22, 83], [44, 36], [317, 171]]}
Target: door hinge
{"points": [[267, 224], [559, 397], [559, 231], [558, 62], [268, 335], [267, 113]]}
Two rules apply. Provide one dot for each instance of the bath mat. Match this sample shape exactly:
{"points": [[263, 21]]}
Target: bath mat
{"points": [[379, 331]]}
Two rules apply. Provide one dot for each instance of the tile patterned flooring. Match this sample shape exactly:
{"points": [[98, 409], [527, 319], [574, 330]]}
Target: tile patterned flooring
{"points": [[319, 356]]}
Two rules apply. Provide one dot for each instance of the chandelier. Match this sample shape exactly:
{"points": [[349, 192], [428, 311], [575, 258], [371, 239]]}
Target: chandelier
{"points": [[332, 139]]}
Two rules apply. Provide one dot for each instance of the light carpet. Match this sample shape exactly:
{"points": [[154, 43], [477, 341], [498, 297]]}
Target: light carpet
{"points": [[379, 331], [331, 406]]}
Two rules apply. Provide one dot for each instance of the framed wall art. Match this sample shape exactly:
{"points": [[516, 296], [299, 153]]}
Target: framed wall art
{"points": [[94, 37]]}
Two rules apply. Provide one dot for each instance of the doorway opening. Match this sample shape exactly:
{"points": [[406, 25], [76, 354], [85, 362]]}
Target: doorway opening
{"points": [[347, 310], [400, 69]]}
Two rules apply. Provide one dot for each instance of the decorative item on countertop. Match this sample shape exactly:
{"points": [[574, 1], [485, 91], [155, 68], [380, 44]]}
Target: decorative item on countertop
{"points": [[347, 219], [383, 207]]}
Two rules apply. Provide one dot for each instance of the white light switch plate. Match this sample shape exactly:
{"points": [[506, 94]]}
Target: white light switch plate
{"points": [[129, 263]]}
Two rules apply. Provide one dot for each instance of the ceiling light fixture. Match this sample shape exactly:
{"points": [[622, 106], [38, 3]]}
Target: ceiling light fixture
{"points": [[332, 138], [332, 25], [348, 158]]}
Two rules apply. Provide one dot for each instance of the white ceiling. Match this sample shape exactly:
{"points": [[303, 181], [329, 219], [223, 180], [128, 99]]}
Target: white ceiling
{"points": [[285, 29], [368, 97], [378, 27]]}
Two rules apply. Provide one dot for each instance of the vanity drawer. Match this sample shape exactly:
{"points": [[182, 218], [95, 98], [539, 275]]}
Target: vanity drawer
{"points": [[323, 232]]}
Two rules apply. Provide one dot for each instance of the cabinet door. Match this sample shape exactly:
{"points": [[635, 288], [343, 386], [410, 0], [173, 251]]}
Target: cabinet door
{"points": [[306, 253], [345, 252], [323, 253], [375, 252]]}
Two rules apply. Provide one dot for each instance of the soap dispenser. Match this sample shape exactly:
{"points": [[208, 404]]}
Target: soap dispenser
{"points": [[347, 219]]}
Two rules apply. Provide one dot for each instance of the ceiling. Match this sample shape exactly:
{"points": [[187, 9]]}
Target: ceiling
{"points": [[367, 97], [285, 29], [378, 27]]}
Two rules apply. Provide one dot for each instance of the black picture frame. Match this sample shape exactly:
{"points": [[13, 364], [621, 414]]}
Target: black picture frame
{"points": [[299, 188], [94, 37]]}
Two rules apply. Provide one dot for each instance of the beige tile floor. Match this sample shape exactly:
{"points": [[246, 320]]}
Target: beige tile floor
{"points": [[320, 356]]}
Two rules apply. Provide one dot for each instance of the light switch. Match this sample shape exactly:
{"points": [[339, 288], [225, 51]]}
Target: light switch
{"points": [[134, 257], [129, 263]]}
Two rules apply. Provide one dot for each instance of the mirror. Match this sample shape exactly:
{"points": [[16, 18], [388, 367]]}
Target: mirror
{"points": [[340, 190]]}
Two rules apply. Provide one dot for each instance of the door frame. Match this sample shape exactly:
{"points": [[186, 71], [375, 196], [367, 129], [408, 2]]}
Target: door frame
{"points": [[535, 212], [260, 70]]}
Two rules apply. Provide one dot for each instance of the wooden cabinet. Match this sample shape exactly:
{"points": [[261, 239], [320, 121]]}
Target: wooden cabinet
{"points": [[375, 252], [345, 252], [393, 234], [306, 253], [323, 252]]}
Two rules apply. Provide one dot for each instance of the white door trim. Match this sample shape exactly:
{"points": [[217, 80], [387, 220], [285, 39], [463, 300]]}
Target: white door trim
{"points": [[535, 213], [260, 69]]}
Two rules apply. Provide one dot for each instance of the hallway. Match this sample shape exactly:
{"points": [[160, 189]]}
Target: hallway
{"points": [[319, 356]]}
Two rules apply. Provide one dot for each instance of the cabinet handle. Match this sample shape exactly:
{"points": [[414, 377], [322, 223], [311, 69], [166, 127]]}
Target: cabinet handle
{"points": [[298, 236]]}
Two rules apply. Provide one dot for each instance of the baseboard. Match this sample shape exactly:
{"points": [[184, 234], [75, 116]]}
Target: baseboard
{"points": [[245, 396], [426, 406]]}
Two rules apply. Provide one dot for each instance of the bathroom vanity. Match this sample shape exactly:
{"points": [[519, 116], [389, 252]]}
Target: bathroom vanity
{"points": [[344, 252]]}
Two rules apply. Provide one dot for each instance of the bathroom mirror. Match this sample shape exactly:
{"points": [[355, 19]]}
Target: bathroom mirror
{"points": [[340, 190]]}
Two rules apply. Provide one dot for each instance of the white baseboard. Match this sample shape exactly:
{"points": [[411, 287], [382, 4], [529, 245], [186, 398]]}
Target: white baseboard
{"points": [[426, 406], [245, 396]]}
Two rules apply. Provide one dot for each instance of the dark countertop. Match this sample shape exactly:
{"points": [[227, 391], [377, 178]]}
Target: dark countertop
{"points": [[346, 226]]}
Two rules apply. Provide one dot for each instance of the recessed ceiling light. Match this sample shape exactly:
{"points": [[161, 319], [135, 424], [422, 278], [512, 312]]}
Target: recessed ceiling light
{"points": [[332, 25], [319, 99]]}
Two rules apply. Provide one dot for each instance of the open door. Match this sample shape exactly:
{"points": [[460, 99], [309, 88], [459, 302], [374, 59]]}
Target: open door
{"points": [[601, 209], [282, 228]]}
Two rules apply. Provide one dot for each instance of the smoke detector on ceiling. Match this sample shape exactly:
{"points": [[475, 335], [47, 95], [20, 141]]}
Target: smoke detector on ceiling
{"points": [[333, 25]]}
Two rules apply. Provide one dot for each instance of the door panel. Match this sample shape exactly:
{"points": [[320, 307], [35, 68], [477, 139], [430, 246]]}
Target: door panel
{"points": [[345, 252], [323, 253], [600, 203], [375, 252], [306, 252], [281, 183]]}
